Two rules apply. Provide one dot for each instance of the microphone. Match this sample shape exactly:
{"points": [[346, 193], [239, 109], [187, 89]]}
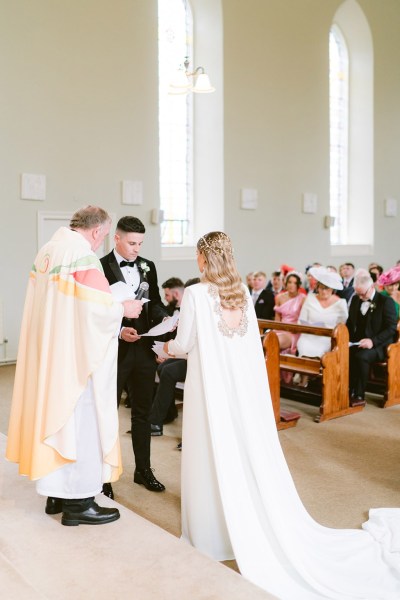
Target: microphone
{"points": [[143, 287]]}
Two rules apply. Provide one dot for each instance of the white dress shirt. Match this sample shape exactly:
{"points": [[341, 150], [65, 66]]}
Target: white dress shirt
{"points": [[131, 274]]}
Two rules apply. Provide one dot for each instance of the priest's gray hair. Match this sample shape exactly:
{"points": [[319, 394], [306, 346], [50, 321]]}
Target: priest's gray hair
{"points": [[363, 279], [89, 217]]}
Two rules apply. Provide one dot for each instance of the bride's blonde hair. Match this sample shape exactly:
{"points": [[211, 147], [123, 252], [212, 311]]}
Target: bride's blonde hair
{"points": [[220, 269]]}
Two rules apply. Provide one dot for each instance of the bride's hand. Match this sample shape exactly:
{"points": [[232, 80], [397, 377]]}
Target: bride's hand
{"points": [[165, 348]]}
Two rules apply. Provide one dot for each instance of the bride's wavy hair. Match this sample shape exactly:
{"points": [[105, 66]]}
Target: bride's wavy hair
{"points": [[220, 269]]}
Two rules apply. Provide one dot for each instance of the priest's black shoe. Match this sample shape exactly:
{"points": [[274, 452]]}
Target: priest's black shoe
{"points": [[93, 515], [146, 477], [54, 506], [108, 491], [156, 430]]}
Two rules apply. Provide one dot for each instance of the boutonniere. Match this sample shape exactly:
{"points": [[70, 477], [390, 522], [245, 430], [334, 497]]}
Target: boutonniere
{"points": [[144, 267], [372, 307]]}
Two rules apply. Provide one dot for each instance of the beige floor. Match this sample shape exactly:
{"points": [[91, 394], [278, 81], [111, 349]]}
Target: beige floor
{"points": [[341, 469], [134, 558]]}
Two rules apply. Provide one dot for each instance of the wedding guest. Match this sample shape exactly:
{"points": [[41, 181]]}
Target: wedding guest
{"points": [[173, 292], [287, 309], [347, 273], [375, 271], [170, 370], [311, 283], [276, 282], [63, 427], [372, 325], [249, 280], [390, 282], [323, 309], [238, 498], [263, 299]]}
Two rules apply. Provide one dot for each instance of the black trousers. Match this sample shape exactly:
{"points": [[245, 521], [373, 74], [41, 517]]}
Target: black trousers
{"points": [[136, 373], [170, 372], [360, 362]]}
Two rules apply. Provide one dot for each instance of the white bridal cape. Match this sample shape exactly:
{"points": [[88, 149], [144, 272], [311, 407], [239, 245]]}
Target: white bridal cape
{"points": [[238, 497]]}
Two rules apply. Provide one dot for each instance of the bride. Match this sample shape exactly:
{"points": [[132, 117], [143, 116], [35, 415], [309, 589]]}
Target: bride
{"points": [[238, 497]]}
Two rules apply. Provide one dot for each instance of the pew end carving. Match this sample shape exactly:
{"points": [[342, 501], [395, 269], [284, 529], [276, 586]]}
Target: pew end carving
{"points": [[283, 418], [332, 369]]}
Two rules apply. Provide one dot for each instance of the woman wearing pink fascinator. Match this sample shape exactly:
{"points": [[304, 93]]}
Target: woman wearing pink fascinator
{"points": [[390, 281]]}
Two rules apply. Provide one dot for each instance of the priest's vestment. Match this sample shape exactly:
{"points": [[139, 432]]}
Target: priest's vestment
{"points": [[68, 340]]}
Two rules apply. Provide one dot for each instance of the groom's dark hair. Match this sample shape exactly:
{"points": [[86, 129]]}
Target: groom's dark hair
{"points": [[131, 225]]}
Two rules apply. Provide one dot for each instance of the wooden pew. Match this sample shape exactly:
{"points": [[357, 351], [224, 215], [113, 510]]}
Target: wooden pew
{"points": [[385, 376], [332, 368], [283, 418]]}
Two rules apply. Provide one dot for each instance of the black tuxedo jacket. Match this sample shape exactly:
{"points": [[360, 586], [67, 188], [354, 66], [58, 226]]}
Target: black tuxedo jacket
{"points": [[381, 321], [264, 306], [153, 311]]}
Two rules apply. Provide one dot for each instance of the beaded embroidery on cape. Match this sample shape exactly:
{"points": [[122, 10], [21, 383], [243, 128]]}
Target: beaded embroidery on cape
{"points": [[222, 325]]}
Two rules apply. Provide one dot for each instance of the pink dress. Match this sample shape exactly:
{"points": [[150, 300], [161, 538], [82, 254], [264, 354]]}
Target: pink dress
{"points": [[290, 312]]}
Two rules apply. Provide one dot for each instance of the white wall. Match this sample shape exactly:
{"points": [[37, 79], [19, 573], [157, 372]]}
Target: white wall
{"points": [[277, 128], [78, 103]]}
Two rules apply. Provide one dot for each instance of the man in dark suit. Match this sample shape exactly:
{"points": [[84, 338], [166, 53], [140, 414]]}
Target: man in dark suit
{"points": [[347, 274], [136, 360], [372, 325], [172, 370], [263, 299]]}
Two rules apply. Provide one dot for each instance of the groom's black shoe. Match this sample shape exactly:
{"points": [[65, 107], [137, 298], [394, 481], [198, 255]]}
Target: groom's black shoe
{"points": [[146, 477], [54, 506], [91, 514], [108, 491]]}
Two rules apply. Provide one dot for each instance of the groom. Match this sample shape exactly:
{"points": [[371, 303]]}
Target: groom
{"points": [[136, 360], [372, 325]]}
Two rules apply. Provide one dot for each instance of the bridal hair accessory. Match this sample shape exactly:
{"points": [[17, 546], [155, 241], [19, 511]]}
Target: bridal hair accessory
{"points": [[217, 242]]}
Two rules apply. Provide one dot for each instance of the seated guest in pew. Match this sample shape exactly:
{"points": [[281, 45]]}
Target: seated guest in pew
{"points": [[263, 299], [310, 283], [287, 309], [390, 282], [173, 292], [170, 371], [249, 281], [347, 273], [323, 309], [372, 326], [275, 284], [375, 271]]}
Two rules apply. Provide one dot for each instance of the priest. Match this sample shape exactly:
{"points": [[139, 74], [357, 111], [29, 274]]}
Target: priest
{"points": [[63, 427]]}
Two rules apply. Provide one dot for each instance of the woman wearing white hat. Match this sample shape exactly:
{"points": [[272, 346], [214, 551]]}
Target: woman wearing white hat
{"points": [[323, 309]]}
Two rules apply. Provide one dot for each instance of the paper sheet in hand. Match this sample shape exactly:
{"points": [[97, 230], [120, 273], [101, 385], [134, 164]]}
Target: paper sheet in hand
{"points": [[163, 327], [158, 349], [121, 291]]}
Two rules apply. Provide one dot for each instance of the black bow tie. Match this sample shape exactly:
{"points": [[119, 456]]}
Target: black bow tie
{"points": [[126, 263]]}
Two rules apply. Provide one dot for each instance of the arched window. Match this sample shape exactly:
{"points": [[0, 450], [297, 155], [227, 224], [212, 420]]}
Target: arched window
{"points": [[196, 205], [175, 37], [339, 128], [351, 128]]}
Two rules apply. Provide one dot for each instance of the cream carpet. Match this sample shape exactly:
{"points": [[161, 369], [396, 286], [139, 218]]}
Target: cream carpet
{"points": [[341, 467]]}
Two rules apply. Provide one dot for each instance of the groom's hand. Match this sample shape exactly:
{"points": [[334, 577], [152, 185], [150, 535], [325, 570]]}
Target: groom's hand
{"points": [[128, 334]]}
